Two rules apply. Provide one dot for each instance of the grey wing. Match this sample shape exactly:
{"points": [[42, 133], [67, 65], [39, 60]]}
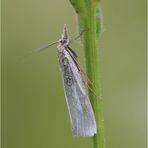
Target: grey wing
{"points": [[79, 107]]}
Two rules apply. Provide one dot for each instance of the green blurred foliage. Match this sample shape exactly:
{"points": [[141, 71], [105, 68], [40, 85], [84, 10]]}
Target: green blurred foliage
{"points": [[34, 112]]}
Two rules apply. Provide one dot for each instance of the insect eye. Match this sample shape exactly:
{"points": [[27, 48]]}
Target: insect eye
{"points": [[63, 41]]}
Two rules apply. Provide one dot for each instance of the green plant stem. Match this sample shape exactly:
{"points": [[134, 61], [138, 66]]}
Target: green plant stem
{"points": [[87, 20], [92, 67]]}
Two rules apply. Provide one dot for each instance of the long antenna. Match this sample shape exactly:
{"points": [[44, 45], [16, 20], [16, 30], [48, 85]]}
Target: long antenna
{"points": [[40, 49], [44, 47], [77, 37]]}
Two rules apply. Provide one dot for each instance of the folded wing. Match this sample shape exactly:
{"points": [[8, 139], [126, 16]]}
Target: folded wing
{"points": [[79, 106]]}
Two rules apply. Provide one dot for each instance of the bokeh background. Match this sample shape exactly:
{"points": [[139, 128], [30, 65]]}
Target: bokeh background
{"points": [[34, 112]]}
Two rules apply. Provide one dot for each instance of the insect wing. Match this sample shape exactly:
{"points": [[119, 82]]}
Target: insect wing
{"points": [[79, 107]]}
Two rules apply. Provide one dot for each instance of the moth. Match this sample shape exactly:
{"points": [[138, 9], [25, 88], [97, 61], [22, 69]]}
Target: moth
{"points": [[79, 107], [81, 114]]}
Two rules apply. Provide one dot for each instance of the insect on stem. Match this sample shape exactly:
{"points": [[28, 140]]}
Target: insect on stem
{"points": [[79, 107], [81, 113]]}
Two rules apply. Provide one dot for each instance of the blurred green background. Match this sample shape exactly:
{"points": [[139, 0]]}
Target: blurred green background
{"points": [[34, 111]]}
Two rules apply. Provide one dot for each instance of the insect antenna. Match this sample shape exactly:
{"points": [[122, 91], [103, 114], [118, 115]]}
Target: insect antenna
{"points": [[40, 49], [44, 47], [77, 37]]}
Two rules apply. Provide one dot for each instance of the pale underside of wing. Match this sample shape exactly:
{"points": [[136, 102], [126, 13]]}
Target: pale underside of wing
{"points": [[79, 106]]}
